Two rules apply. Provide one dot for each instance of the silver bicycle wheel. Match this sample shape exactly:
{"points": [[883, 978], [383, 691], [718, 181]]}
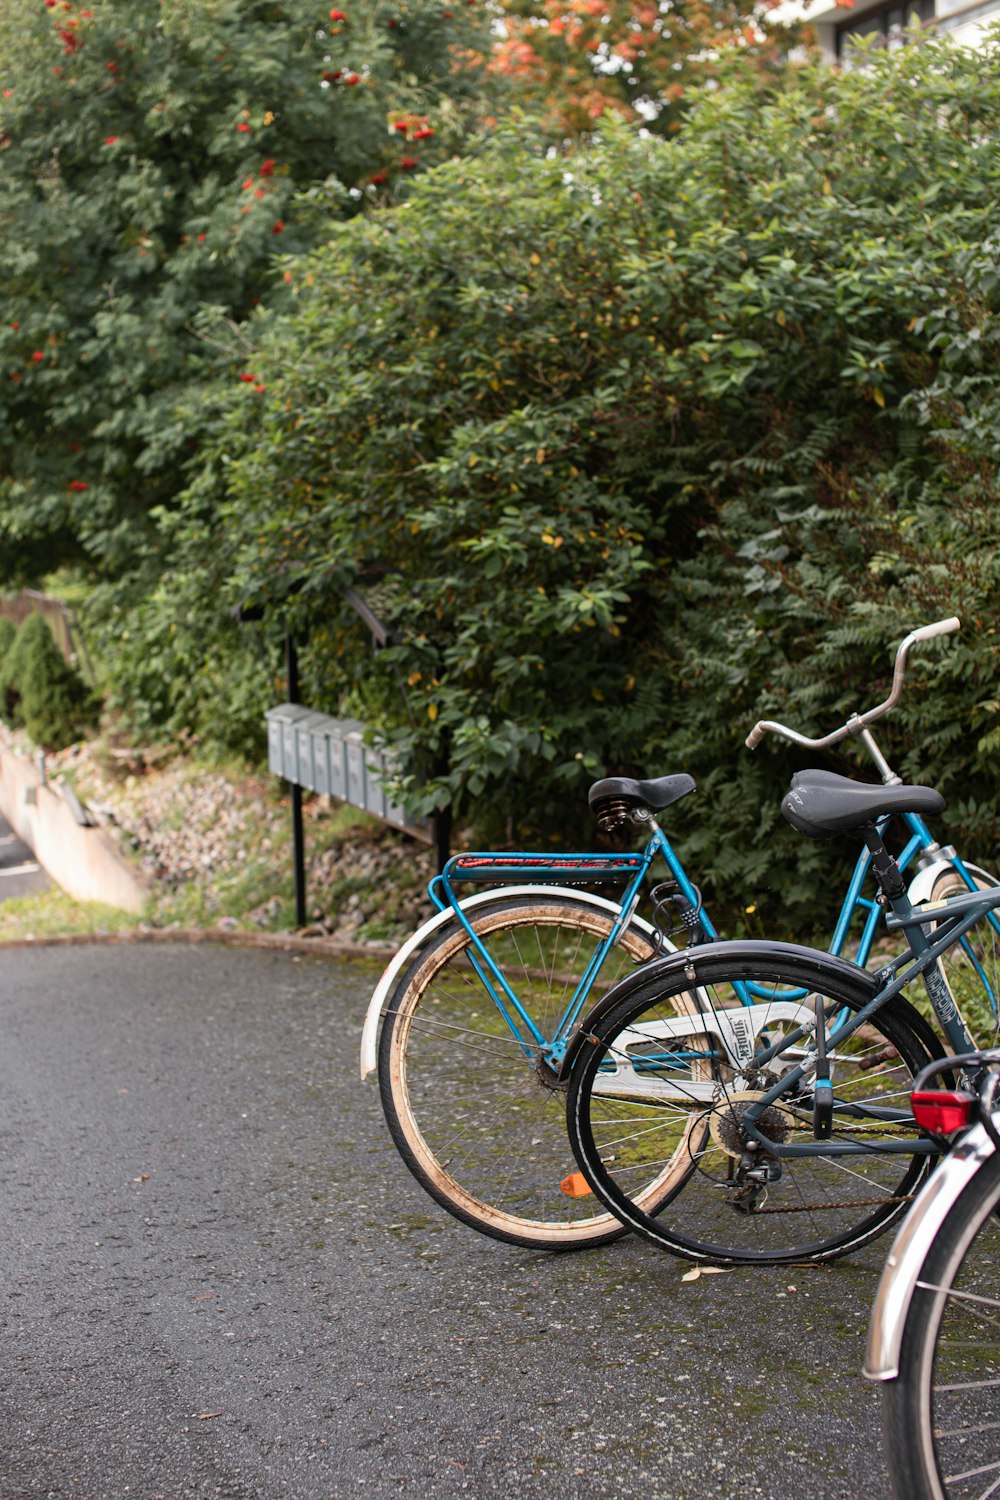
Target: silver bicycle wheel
{"points": [[942, 1412]]}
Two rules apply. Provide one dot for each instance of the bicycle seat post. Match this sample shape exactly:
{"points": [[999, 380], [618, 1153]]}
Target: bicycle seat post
{"points": [[892, 886]]}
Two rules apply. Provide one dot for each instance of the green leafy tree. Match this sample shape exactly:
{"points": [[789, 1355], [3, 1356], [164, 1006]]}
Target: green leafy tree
{"points": [[39, 690], [645, 449], [456, 455], [155, 159], [31, 630], [633, 449], [7, 635], [56, 705]]}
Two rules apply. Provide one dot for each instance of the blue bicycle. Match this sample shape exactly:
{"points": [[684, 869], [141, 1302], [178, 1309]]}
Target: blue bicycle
{"points": [[479, 1007]]}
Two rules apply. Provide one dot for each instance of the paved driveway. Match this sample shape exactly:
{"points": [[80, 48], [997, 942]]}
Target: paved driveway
{"points": [[20, 873], [218, 1280]]}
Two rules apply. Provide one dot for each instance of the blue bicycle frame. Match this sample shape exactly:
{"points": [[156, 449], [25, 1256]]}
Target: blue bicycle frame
{"points": [[633, 868]]}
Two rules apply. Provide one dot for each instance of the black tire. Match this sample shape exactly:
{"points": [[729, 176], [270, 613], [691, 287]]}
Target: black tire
{"points": [[636, 1107], [961, 964], [942, 1413], [478, 1125]]}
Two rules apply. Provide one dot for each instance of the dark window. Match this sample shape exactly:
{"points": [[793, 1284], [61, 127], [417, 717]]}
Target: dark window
{"points": [[888, 22]]}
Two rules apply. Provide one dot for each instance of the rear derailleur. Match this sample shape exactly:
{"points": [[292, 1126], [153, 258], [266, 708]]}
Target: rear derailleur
{"points": [[749, 1184]]}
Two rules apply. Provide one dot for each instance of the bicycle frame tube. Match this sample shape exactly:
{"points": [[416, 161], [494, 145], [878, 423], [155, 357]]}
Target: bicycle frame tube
{"points": [[540, 867], [665, 848], [920, 839], [958, 915]]}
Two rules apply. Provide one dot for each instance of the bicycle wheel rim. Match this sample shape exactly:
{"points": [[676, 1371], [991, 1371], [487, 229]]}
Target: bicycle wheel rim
{"points": [[820, 1207], [470, 1113], [942, 1412]]}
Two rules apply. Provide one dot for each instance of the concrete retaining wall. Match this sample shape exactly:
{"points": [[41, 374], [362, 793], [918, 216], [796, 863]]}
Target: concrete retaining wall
{"points": [[85, 862]]}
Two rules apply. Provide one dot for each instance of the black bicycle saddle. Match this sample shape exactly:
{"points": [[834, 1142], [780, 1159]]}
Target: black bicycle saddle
{"points": [[822, 804]]}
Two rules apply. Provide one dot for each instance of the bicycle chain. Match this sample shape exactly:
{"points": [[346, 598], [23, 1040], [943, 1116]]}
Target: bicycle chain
{"points": [[810, 1208]]}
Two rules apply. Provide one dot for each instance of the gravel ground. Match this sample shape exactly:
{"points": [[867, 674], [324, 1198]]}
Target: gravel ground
{"points": [[226, 834]]}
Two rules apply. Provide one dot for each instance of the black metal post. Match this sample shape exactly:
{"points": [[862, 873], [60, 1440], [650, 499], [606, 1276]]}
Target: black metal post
{"points": [[441, 822], [298, 832]]}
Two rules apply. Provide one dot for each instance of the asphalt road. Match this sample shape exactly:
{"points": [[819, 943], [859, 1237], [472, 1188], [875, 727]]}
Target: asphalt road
{"points": [[218, 1280]]}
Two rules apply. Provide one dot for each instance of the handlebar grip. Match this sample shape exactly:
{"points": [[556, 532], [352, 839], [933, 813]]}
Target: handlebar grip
{"points": [[939, 627], [755, 736]]}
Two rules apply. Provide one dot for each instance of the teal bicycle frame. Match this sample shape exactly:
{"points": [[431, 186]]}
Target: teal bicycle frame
{"points": [[633, 868]]}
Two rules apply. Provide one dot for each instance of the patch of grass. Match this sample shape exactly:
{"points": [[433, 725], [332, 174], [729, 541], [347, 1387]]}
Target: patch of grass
{"points": [[378, 930], [54, 914]]}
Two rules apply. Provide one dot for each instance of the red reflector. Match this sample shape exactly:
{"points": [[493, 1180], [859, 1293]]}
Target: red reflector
{"points": [[943, 1110]]}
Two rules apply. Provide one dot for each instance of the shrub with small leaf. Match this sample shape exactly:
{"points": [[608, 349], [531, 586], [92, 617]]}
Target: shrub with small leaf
{"points": [[12, 667], [48, 697], [642, 446], [7, 633]]}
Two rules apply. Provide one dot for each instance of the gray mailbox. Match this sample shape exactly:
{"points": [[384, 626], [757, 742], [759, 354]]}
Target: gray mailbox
{"points": [[305, 744], [355, 747], [375, 798], [337, 757], [319, 733], [329, 756], [282, 747]]}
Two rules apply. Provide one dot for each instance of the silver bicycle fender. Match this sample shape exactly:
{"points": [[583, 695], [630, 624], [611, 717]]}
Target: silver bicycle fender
{"points": [[369, 1034], [909, 1252], [923, 882]]}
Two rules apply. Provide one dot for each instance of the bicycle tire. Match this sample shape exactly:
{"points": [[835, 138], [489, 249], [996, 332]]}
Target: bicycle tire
{"points": [[482, 1131], [980, 1014], [632, 1111], [942, 1436]]}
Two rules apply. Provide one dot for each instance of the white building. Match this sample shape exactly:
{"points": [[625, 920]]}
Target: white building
{"points": [[835, 24]]}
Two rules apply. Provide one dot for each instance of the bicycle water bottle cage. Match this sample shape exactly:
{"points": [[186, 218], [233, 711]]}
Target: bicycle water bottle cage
{"points": [[617, 800], [673, 913]]}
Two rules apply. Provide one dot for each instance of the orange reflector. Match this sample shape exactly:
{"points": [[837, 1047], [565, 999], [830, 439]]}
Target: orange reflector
{"points": [[943, 1110], [575, 1186]]}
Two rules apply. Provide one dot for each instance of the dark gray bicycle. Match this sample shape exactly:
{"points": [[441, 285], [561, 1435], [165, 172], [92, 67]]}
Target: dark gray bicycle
{"points": [[803, 1145]]}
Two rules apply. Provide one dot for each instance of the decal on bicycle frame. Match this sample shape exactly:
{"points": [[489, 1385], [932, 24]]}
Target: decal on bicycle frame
{"points": [[547, 866]]}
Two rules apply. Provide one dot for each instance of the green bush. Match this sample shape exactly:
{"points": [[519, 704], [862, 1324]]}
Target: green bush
{"points": [[636, 447], [155, 160], [32, 629], [49, 697], [7, 634]]}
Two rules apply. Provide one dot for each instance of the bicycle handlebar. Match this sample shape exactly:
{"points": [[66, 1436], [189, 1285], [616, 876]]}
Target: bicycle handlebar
{"points": [[857, 721]]}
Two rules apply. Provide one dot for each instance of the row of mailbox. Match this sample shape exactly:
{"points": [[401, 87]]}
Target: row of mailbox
{"points": [[329, 756]]}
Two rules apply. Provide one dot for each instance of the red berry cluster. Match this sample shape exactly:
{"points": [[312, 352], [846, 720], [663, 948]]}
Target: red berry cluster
{"points": [[67, 27], [408, 129]]}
